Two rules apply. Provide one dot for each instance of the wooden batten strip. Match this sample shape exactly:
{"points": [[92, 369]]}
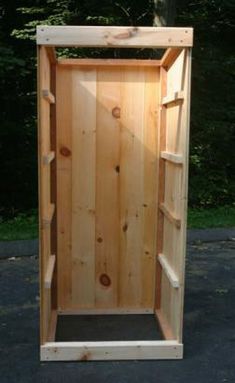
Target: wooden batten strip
{"points": [[51, 53], [110, 37], [49, 216], [171, 275], [174, 97], [48, 158], [170, 216], [172, 157], [164, 325], [111, 350], [109, 62], [49, 271], [48, 96], [170, 56]]}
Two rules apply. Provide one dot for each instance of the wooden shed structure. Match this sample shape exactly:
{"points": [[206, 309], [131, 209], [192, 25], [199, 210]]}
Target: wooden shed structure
{"points": [[113, 173]]}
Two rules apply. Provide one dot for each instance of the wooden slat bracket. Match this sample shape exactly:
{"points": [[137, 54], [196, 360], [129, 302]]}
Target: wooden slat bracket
{"points": [[169, 272], [49, 271], [172, 157], [170, 56], [48, 158], [48, 218], [174, 97], [170, 216], [48, 96]]}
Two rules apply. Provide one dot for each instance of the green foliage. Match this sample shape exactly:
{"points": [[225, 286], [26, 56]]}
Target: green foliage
{"points": [[212, 158]]}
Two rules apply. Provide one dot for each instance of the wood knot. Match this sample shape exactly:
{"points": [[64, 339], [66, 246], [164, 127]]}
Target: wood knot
{"points": [[99, 239], [117, 168], [116, 112], [125, 227], [105, 280], [65, 151]]}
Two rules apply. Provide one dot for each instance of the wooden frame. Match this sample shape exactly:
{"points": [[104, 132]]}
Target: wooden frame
{"points": [[161, 149]]}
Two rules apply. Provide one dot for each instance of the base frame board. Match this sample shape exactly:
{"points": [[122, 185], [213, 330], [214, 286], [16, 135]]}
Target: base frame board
{"points": [[111, 350]]}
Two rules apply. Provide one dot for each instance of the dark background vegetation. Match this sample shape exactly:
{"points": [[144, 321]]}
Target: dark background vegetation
{"points": [[212, 148]]}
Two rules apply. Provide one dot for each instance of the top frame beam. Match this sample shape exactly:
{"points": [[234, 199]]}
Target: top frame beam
{"points": [[110, 37]]}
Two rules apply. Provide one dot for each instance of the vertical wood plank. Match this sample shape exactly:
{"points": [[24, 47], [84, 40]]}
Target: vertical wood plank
{"points": [[131, 187], [161, 183], [53, 183], [83, 186], [149, 203], [107, 186], [64, 186], [44, 187], [185, 144]]}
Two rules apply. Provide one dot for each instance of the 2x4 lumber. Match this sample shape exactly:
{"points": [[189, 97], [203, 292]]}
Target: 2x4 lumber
{"points": [[51, 53], [175, 96], [169, 57], [109, 62], [161, 185], [49, 215], [49, 271], [52, 326], [48, 96], [171, 275], [164, 325], [172, 157], [170, 216], [186, 128], [109, 37], [48, 158], [111, 350]]}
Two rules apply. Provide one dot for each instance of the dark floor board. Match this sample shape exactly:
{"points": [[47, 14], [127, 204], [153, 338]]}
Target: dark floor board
{"points": [[107, 327]]}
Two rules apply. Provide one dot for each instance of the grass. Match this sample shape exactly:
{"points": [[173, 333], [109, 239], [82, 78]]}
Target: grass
{"points": [[25, 226], [223, 216]]}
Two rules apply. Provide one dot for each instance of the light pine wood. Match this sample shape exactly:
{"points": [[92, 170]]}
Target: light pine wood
{"points": [[172, 157], [161, 184], [51, 54], [104, 107], [109, 62], [52, 326], [175, 181], [125, 37], [107, 187], [169, 57], [164, 325], [64, 186], [44, 189], [113, 165], [48, 96], [149, 205], [170, 273], [49, 271], [48, 214], [83, 110], [115, 350], [131, 187], [174, 97], [48, 158], [176, 221]]}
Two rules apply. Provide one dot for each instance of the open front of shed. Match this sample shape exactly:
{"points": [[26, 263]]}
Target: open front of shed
{"points": [[113, 173]]}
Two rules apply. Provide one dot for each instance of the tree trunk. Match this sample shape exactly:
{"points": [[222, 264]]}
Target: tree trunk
{"points": [[164, 13]]}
